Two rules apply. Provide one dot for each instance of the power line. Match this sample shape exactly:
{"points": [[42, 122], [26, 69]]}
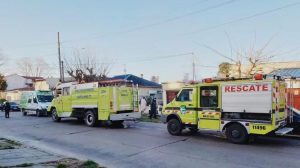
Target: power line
{"points": [[134, 61], [246, 17], [163, 21], [143, 26]]}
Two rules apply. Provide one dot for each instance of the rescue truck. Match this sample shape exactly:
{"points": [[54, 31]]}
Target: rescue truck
{"points": [[236, 108], [92, 102]]}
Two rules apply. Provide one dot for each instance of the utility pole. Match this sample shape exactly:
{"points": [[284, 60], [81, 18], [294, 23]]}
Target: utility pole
{"points": [[125, 69], [194, 70], [59, 59], [62, 71]]}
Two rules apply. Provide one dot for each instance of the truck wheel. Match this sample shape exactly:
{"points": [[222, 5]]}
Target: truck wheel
{"points": [[54, 115], [38, 113], [237, 134], [90, 119], [193, 130], [174, 127], [80, 119], [24, 112], [118, 123]]}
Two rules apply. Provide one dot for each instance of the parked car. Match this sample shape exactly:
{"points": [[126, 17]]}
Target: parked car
{"points": [[14, 106]]}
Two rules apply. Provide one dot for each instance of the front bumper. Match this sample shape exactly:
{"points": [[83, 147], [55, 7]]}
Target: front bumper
{"points": [[125, 116], [163, 118]]}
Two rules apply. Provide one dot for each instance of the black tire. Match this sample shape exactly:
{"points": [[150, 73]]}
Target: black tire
{"points": [[237, 134], [38, 113], [80, 119], [54, 115], [193, 130], [118, 124], [90, 119], [24, 112], [174, 127]]}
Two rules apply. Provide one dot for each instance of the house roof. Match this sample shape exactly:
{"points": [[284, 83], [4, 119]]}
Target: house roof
{"points": [[137, 80], [34, 78], [287, 72]]}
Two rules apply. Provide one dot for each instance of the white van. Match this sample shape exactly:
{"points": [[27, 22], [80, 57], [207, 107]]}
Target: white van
{"points": [[35, 102]]}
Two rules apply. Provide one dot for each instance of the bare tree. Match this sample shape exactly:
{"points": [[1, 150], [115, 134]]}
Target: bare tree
{"points": [[84, 67], [224, 69], [1, 58], [251, 57], [34, 67], [236, 61]]}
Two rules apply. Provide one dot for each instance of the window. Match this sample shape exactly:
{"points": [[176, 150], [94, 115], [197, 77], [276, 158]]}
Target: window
{"points": [[44, 98], [29, 100], [66, 91], [35, 100], [185, 95], [209, 96]]}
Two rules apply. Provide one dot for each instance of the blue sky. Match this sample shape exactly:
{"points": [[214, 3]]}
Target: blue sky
{"points": [[139, 32]]}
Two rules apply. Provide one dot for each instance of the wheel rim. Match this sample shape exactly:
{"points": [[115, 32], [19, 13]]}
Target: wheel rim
{"points": [[235, 134], [54, 114], [173, 127], [89, 119]]}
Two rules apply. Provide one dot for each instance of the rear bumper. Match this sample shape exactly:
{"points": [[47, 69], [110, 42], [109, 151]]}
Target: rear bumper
{"points": [[125, 116]]}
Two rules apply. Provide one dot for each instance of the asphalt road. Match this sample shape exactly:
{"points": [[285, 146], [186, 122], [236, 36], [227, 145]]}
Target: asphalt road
{"points": [[148, 145]]}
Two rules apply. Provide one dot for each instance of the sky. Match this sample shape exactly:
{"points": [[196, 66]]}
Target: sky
{"points": [[150, 37]]}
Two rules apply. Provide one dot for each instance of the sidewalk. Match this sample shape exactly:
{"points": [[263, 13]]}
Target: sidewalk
{"points": [[14, 154]]}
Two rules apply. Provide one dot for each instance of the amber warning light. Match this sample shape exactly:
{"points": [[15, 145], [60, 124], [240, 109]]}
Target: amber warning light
{"points": [[207, 80]]}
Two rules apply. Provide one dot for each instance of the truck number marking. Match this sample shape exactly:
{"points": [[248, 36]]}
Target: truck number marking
{"points": [[259, 127]]}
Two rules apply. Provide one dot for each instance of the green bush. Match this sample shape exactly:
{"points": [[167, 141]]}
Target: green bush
{"points": [[90, 164]]}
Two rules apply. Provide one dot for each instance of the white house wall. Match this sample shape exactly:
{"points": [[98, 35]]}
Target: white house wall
{"points": [[15, 82]]}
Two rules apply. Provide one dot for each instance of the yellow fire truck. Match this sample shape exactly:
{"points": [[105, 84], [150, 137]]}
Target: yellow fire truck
{"points": [[113, 101], [238, 108]]}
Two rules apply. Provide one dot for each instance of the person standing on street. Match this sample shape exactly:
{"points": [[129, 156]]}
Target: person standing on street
{"points": [[7, 109], [143, 105], [153, 109]]}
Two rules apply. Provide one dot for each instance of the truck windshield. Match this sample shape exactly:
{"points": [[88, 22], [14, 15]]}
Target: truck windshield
{"points": [[44, 98]]}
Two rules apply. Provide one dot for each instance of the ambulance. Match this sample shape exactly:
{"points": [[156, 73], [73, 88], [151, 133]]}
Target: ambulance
{"points": [[113, 101], [235, 108]]}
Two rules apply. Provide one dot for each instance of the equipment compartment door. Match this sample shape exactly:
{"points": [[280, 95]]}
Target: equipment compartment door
{"points": [[209, 113]]}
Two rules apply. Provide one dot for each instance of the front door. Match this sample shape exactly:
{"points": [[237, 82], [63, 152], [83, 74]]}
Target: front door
{"points": [[209, 112], [34, 104], [186, 102], [66, 100]]}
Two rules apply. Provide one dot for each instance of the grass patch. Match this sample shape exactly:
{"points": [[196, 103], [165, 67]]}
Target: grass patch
{"points": [[145, 118], [25, 165], [71, 163], [8, 144], [61, 166], [90, 164]]}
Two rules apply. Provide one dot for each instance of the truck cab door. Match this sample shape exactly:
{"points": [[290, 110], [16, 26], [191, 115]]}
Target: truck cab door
{"points": [[209, 114], [185, 105], [66, 100], [29, 103], [34, 103]]}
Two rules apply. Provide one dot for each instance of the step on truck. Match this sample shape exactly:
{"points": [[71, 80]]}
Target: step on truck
{"points": [[93, 102], [237, 109], [35, 102]]}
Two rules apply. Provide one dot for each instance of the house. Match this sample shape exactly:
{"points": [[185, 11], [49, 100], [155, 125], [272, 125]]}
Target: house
{"points": [[170, 90], [17, 83], [146, 88], [264, 68]]}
